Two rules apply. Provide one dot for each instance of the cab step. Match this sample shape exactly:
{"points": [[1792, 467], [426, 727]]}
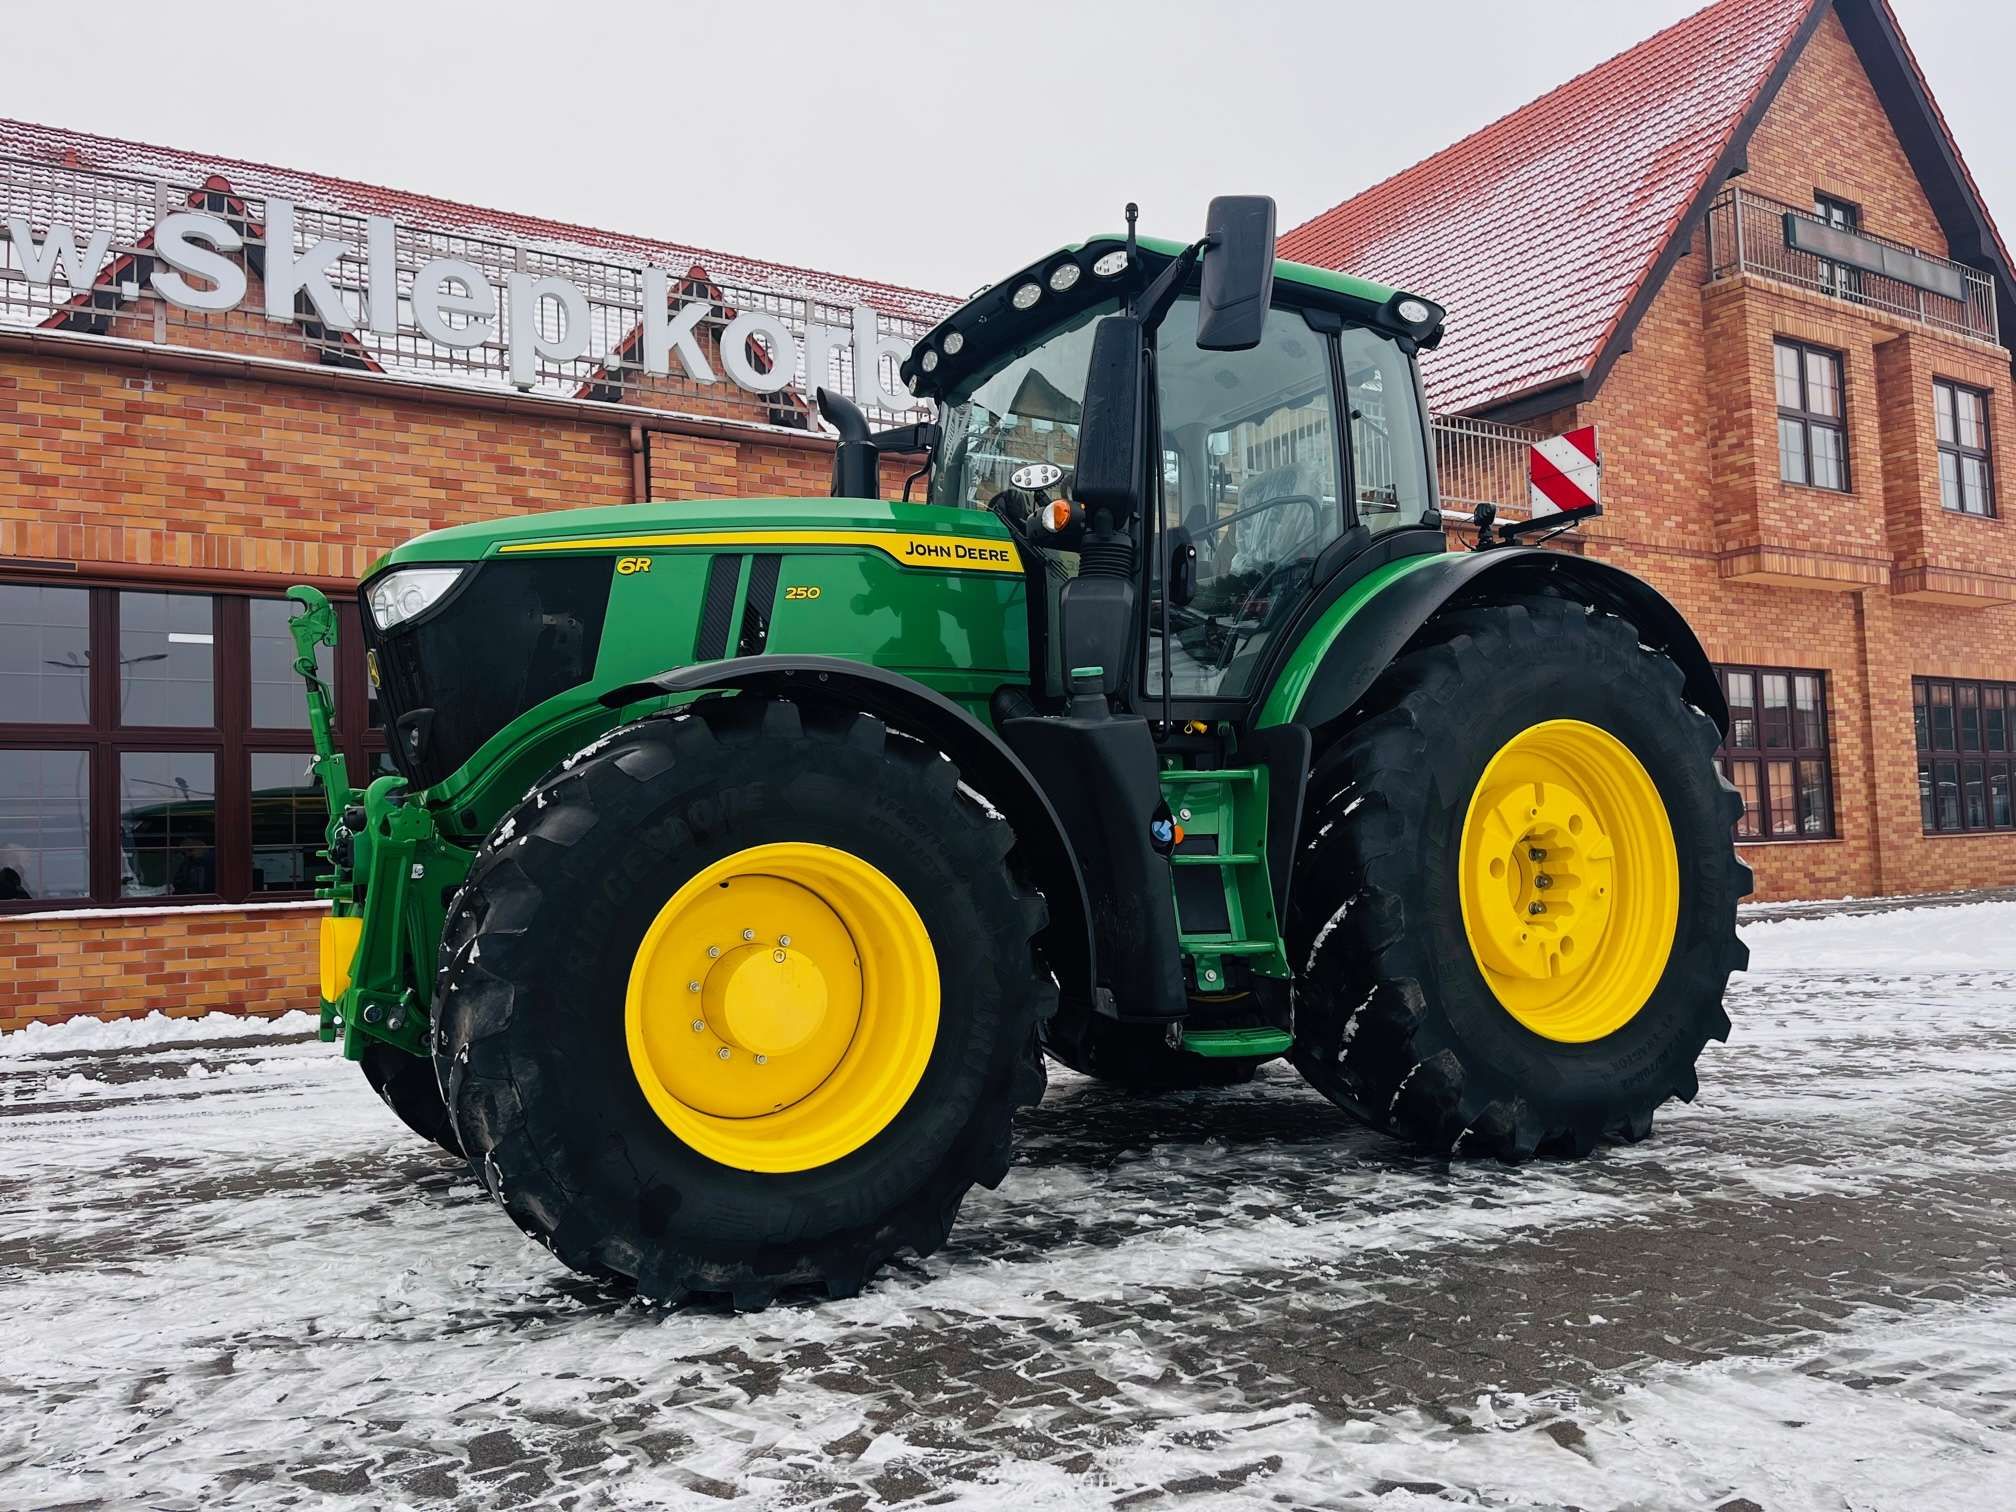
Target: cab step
{"points": [[1237, 1042]]}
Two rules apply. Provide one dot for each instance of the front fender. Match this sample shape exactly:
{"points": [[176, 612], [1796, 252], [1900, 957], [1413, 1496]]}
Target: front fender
{"points": [[984, 760], [1364, 631]]}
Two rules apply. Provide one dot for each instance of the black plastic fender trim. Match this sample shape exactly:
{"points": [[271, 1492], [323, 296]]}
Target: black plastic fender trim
{"points": [[988, 766], [1381, 630]]}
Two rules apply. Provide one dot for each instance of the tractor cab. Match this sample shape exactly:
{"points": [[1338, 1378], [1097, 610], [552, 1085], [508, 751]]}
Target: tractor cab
{"points": [[1236, 470]]}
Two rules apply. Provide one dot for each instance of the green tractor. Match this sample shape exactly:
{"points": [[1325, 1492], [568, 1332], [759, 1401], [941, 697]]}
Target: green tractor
{"points": [[746, 860]]}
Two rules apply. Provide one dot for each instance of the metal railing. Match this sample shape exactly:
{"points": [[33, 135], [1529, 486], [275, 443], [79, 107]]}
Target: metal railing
{"points": [[1747, 234], [1482, 462], [131, 205]]}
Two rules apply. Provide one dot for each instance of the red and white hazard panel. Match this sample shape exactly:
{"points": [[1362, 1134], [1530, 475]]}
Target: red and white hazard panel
{"points": [[1565, 471]]}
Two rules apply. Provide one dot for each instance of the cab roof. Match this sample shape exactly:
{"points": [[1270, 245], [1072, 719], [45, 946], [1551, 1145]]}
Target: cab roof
{"points": [[989, 326]]}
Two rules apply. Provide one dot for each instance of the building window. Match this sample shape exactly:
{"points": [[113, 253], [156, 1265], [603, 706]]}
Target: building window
{"points": [[1966, 480], [1777, 753], [1812, 435], [154, 745], [1966, 733], [1842, 216]]}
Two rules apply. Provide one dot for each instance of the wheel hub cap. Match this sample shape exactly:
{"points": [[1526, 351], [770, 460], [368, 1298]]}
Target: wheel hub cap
{"points": [[765, 1001]]}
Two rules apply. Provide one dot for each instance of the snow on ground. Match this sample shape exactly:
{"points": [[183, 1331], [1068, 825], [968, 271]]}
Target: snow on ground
{"points": [[228, 1278]]}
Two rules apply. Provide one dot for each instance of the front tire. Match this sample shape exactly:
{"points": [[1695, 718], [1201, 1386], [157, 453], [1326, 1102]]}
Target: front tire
{"points": [[406, 1084], [1424, 1009], [589, 1108]]}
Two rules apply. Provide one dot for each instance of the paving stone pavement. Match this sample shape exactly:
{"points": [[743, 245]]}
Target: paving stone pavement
{"points": [[227, 1279]]}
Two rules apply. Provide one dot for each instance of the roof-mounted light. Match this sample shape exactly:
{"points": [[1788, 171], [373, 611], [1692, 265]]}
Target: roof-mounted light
{"points": [[1418, 316], [1111, 263], [929, 362], [1063, 276], [953, 343], [1025, 297]]}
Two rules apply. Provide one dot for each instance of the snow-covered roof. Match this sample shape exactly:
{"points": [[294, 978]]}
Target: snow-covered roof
{"points": [[1536, 230], [85, 150]]}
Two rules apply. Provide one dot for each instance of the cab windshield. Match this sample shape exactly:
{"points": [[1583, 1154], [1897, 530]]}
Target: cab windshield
{"points": [[1025, 411]]}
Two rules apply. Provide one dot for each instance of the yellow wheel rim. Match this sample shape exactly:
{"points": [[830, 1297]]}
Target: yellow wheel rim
{"points": [[1570, 881], [782, 1007]]}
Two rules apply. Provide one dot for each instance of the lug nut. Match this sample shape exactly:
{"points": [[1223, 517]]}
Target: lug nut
{"points": [[1543, 880], [1536, 854], [722, 1052], [783, 939], [698, 1025], [748, 934], [692, 986], [713, 951], [762, 1060], [1536, 908], [777, 956]]}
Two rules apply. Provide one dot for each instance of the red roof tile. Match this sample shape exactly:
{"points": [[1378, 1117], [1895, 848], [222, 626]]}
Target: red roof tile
{"points": [[83, 150], [1537, 230]]}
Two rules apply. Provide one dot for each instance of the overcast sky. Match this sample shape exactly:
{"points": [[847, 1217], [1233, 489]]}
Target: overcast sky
{"points": [[931, 144]]}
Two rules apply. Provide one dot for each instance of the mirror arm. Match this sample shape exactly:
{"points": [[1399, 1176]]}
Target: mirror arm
{"points": [[1153, 303]]}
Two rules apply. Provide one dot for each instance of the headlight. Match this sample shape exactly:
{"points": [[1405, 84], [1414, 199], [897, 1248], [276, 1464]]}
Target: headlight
{"points": [[954, 343], [929, 362], [1025, 297], [1063, 276], [1412, 311], [399, 596]]}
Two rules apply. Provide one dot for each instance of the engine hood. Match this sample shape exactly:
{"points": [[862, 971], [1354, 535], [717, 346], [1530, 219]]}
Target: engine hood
{"points": [[893, 526]]}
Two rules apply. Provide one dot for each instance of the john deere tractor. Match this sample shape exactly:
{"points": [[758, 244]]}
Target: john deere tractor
{"points": [[745, 860]]}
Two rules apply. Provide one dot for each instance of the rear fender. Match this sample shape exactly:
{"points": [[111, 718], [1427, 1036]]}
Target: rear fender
{"points": [[986, 764], [1366, 640]]}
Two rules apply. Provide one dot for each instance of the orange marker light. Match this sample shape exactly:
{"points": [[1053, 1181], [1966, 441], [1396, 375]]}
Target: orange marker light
{"points": [[1056, 515]]}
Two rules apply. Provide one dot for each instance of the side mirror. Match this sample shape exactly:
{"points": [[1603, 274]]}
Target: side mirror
{"points": [[1109, 430], [1238, 277]]}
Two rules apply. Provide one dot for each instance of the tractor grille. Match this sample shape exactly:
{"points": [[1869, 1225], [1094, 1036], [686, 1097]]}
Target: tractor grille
{"points": [[513, 635]]}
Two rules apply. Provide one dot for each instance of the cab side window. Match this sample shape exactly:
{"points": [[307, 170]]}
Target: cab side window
{"points": [[1389, 461]]}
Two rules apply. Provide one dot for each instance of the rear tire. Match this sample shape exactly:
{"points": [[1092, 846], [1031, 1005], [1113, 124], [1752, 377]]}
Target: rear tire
{"points": [[407, 1086], [1396, 1021], [539, 953]]}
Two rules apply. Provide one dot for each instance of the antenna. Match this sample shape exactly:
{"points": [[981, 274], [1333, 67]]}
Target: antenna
{"points": [[1133, 213]]}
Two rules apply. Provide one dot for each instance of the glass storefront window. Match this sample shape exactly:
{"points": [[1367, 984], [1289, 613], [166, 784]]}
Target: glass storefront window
{"points": [[45, 655], [167, 660], [127, 713], [277, 703], [167, 823], [288, 818], [45, 825]]}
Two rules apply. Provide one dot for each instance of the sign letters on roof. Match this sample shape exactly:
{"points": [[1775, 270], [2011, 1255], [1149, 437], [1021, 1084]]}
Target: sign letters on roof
{"points": [[198, 264]]}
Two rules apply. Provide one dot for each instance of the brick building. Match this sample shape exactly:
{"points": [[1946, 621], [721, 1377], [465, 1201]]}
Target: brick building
{"points": [[1802, 449], [166, 471], [1808, 453]]}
